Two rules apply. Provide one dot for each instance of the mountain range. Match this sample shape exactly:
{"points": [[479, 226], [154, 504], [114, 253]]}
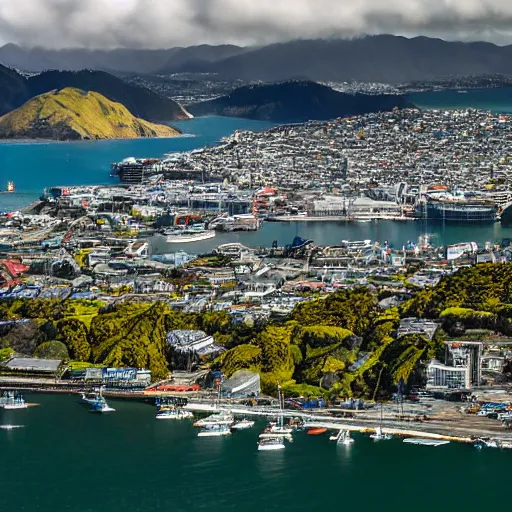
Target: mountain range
{"points": [[141, 102], [381, 58], [295, 101]]}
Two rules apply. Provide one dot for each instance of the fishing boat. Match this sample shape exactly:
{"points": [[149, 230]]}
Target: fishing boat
{"points": [[316, 431], [13, 400], [220, 418], [243, 425], [214, 431], [173, 413], [271, 444]]}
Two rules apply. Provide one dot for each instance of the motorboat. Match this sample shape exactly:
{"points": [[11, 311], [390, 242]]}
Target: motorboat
{"points": [[243, 425], [97, 402], [271, 444], [221, 418], [214, 431], [316, 431], [173, 413], [101, 406], [13, 400]]}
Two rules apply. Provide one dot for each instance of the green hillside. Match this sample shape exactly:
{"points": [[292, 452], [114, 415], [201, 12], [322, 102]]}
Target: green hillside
{"points": [[71, 114]]}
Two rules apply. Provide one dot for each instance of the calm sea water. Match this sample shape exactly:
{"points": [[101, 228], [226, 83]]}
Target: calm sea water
{"points": [[69, 460]]}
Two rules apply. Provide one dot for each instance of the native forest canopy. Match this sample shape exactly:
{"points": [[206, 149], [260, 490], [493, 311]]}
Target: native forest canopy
{"points": [[341, 345]]}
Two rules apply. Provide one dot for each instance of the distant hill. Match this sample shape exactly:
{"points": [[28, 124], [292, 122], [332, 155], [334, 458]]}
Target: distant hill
{"points": [[196, 57], [140, 101], [383, 58], [119, 60], [71, 114], [13, 89], [295, 101]]}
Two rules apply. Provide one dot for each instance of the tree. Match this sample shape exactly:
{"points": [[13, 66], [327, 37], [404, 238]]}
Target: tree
{"points": [[52, 350]]}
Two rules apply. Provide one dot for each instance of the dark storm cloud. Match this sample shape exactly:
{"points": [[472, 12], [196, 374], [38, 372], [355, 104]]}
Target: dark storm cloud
{"points": [[166, 23]]}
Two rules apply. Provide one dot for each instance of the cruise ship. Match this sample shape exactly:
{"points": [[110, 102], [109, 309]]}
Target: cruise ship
{"points": [[439, 204]]}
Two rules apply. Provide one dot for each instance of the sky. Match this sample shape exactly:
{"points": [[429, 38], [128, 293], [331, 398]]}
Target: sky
{"points": [[105, 24]]}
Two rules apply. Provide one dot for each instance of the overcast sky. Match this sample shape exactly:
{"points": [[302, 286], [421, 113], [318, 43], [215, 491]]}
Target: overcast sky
{"points": [[167, 23]]}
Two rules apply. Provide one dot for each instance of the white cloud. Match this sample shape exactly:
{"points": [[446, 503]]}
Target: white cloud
{"points": [[167, 23]]}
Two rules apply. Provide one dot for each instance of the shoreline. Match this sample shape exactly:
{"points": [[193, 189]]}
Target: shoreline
{"points": [[444, 420]]}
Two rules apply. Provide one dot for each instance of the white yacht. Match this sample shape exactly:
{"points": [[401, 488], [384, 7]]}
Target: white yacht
{"points": [[173, 413], [221, 418], [243, 425], [214, 431], [271, 444]]}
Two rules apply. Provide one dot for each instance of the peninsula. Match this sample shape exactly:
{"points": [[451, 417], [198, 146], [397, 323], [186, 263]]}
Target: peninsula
{"points": [[295, 100], [73, 114]]}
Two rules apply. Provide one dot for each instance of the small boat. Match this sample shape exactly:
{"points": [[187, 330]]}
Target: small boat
{"points": [[316, 431], [243, 425], [221, 418], [271, 444], [10, 189], [345, 438], [425, 442], [485, 443], [10, 427], [173, 413], [380, 436], [101, 406], [13, 400], [336, 437], [214, 431]]}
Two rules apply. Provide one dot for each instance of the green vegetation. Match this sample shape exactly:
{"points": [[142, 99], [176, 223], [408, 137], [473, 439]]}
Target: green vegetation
{"points": [[75, 114], [341, 345]]}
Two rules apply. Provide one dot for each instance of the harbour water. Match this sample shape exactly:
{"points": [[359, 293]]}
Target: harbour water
{"points": [[74, 461], [396, 233], [34, 166]]}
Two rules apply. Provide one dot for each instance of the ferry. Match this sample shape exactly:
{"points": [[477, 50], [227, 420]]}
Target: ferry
{"points": [[189, 234], [271, 444], [12, 400], [214, 431]]}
